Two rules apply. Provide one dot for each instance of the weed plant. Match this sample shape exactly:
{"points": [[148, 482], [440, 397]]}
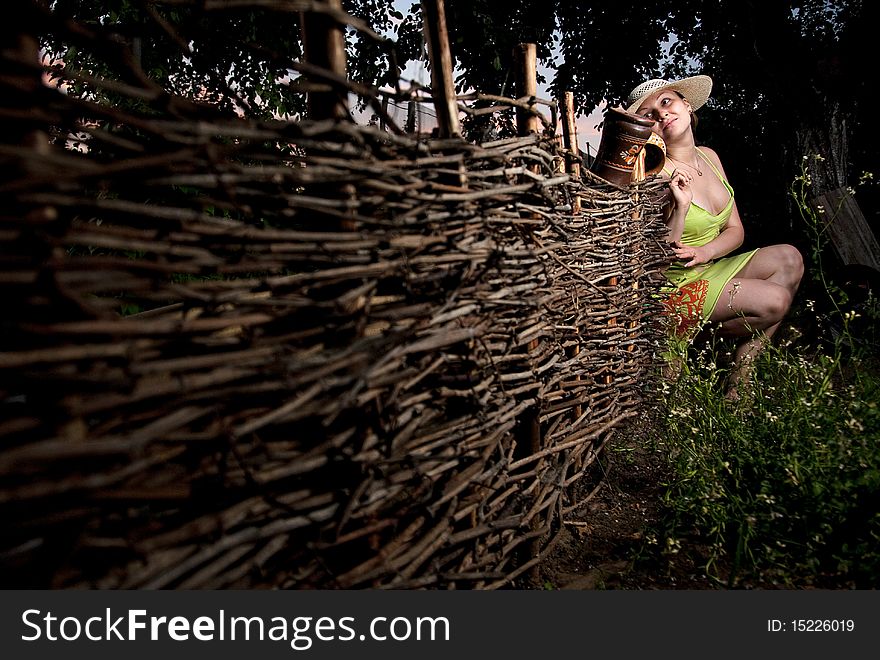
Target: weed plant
{"points": [[782, 488]]}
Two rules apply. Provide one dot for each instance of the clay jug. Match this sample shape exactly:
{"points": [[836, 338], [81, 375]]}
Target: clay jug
{"points": [[624, 136]]}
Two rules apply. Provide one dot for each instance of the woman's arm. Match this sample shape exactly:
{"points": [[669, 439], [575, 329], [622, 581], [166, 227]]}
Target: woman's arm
{"points": [[682, 196]]}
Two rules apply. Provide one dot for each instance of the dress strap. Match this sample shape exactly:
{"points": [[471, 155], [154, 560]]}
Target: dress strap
{"points": [[711, 164]]}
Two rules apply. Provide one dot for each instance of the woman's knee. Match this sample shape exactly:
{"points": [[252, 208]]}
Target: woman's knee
{"points": [[776, 304], [791, 262]]}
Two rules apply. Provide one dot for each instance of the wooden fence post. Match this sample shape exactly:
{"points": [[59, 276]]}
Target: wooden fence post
{"points": [[324, 47], [638, 175], [527, 122], [526, 67], [21, 79], [573, 167], [410, 124], [440, 55], [527, 85], [382, 118], [570, 142]]}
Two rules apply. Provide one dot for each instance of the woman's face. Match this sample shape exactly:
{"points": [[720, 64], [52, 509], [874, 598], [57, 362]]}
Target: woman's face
{"points": [[670, 111]]}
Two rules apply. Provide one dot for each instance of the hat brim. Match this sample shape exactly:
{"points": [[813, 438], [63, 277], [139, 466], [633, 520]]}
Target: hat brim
{"points": [[696, 89]]}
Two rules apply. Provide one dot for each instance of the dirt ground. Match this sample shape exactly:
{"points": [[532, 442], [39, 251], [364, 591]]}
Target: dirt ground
{"points": [[603, 542]]}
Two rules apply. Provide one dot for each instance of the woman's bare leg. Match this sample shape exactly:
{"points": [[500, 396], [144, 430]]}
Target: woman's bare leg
{"points": [[779, 264], [753, 304]]}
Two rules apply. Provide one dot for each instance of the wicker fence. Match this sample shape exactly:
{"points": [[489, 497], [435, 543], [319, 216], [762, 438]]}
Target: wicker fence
{"points": [[302, 354]]}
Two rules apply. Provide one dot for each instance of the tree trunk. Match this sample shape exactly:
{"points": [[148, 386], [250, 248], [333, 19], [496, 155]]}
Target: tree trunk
{"points": [[824, 142]]}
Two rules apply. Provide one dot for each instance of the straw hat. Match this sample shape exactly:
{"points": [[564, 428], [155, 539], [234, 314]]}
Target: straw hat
{"points": [[695, 89]]}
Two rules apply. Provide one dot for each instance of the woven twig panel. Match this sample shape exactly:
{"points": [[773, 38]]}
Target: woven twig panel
{"points": [[302, 354]]}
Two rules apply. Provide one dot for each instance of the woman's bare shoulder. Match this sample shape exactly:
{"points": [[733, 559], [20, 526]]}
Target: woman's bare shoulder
{"points": [[710, 152], [712, 155]]}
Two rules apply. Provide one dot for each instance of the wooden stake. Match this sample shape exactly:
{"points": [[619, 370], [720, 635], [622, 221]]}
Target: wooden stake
{"points": [[410, 125], [569, 131], [324, 46], [573, 167], [20, 84], [525, 64], [440, 56], [382, 124], [570, 141]]}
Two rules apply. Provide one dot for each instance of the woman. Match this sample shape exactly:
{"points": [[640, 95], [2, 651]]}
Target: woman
{"points": [[748, 294]]}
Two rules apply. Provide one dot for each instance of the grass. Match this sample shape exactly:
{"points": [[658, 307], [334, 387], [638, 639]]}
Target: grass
{"points": [[784, 490]]}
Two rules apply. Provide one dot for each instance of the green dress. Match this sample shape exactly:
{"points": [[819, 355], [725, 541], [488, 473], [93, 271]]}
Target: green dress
{"points": [[696, 289]]}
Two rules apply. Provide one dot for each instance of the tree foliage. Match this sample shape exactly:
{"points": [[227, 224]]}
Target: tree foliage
{"points": [[184, 48], [237, 58]]}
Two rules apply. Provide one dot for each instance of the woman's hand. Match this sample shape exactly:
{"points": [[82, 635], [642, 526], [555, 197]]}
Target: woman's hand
{"points": [[693, 256], [680, 185]]}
